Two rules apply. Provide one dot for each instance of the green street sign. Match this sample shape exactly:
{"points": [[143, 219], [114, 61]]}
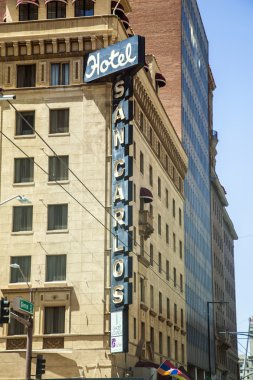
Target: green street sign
{"points": [[23, 306]]}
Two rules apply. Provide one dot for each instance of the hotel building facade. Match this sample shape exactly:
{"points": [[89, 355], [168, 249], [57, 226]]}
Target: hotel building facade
{"points": [[57, 150]]}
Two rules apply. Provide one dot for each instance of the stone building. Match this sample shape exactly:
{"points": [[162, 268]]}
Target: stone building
{"points": [[56, 149]]}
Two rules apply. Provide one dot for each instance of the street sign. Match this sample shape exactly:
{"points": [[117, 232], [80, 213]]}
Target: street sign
{"points": [[23, 306]]}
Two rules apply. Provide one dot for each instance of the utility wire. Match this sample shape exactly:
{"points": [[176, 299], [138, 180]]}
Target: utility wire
{"points": [[82, 183], [89, 212]]}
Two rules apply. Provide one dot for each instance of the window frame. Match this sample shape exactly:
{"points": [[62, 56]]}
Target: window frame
{"points": [[29, 8], [60, 308], [50, 207], [55, 118], [18, 176], [84, 8], [26, 79], [59, 6], [61, 79], [16, 273], [23, 216], [56, 267], [21, 123], [57, 164]]}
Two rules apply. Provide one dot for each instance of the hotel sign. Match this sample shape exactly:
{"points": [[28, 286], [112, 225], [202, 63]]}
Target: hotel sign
{"points": [[120, 61], [128, 54]]}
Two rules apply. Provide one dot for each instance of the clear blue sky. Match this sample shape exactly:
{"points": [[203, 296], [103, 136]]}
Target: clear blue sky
{"points": [[229, 29]]}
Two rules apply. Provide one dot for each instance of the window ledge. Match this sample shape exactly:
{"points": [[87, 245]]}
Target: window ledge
{"points": [[25, 136], [23, 184], [63, 182], [53, 284], [20, 233], [58, 134], [19, 285], [57, 232]]}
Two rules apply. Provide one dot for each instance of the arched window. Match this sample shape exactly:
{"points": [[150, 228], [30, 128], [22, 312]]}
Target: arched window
{"points": [[28, 12], [56, 9], [84, 8]]}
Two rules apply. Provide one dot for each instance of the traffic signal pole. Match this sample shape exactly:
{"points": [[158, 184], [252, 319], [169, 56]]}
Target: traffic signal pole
{"points": [[29, 349]]}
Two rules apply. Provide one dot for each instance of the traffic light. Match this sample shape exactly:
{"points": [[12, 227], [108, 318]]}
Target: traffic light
{"points": [[4, 311], [40, 366]]}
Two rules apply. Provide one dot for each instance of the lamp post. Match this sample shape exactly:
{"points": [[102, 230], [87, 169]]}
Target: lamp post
{"points": [[20, 198], [29, 329], [208, 331]]}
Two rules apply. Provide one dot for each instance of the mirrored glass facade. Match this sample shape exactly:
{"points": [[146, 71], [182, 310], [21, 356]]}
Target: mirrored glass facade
{"points": [[195, 138]]}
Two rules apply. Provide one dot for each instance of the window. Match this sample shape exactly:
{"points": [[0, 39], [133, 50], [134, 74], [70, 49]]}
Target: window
{"points": [[141, 121], [141, 163], [25, 265], [84, 8], [175, 276], [167, 270], [160, 342], [54, 322], [180, 249], [22, 218], [168, 346], [55, 268], [181, 283], [176, 350], [160, 262], [25, 121], [159, 224], [143, 331], [58, 168], [152, 338], [26, 75], [158, 149], [183, 356], [174, 242], [135, 282], [151, 297], [23, 170], [174, 208], [134, 193], [135, 235], [167, 234], [180, 216], [151, 254], [28, 12], [175, 313], [57, 217], [142, 289], [160, 303], [150, 175], [59, 74], [134, 150], [168, 308], [135, 328], [159, 191], [15, 327], [182, 318], [59, 121], [167, 198], [56, 9]]}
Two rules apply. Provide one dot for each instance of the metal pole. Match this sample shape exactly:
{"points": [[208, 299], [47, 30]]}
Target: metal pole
{"points": [[29, 349], [208, 338], [246, 353]]}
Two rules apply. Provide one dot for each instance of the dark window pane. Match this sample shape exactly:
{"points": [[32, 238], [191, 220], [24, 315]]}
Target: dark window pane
{"points": [[58, 168], [26, 75], [24, 121], [57, 217], [59, 74], [25, 265], [84, 8], [22, 218], [56, 9], [54, 322], [56, 268], [59, 121], [28, 12], [23, 170]]}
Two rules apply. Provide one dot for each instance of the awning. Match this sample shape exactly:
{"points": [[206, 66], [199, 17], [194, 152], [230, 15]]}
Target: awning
{"points": [[146, 195], [62, 1], [34, 2], [73, 1], [119, 8], [160, 80]]}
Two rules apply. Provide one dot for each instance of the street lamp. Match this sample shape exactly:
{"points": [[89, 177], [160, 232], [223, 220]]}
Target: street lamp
{"points": [[20, 198], [29, 328], [208, 330]]}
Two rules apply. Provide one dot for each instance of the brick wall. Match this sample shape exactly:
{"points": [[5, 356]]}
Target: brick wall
{"points": [[160, 22]]}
